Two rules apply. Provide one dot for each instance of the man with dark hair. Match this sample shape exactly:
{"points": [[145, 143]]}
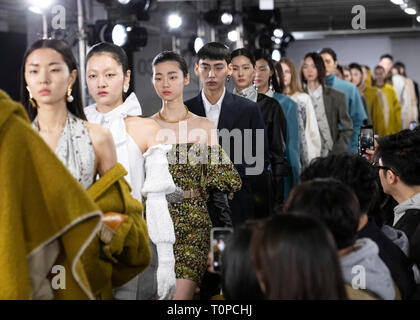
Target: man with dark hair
{"points": [[235, 117], [335, 204], [398, 161], [358, 174], [238, 120], [353, 100]]}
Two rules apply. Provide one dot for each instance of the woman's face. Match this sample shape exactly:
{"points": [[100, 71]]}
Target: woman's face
{"points": [[356, 76], [48, 76], [309, 70], [105, 79], [347, 75], [262, 73], [169, 80], [286, 74], [243, 72]]}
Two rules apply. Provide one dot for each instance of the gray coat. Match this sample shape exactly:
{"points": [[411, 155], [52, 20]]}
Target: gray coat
{"points": [[337, 114]]}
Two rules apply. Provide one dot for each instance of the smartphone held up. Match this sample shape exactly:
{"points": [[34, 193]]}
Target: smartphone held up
{"points": [[218, 238], [366, 139]]}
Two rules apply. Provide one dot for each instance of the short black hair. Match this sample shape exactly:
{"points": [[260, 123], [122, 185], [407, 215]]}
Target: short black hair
{"points": [[214, 51], [171, 56], [351, 169], [401, 153], [357, 66], [331, 201], [330, 51], [386, 55], [319, 65], [243, 52]]}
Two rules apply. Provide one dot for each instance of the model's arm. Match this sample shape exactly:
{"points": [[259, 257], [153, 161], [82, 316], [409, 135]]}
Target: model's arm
{"points": [[104, 148]]}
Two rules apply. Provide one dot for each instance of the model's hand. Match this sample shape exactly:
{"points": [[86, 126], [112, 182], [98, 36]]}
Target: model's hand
{"points": [[166, 279]]}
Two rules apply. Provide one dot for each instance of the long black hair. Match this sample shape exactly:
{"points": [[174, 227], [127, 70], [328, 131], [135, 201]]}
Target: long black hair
{"points": [[319, 65], [261, 54], [296, 259], [76, 106]]}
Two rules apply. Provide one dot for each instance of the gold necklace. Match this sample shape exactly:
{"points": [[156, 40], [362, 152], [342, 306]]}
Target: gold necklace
{"points": [[171, 121]]}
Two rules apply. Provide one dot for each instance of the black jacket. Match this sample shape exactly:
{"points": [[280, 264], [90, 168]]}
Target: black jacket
{"points": [[394, 258], [276, 128], [243, 116]]}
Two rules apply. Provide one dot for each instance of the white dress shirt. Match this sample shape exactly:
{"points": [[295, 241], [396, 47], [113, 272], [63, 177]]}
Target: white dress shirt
{"points": [[213, 110]]}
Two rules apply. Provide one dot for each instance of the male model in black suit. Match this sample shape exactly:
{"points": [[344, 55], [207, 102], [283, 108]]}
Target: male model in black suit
{"points": [[239, 122]]}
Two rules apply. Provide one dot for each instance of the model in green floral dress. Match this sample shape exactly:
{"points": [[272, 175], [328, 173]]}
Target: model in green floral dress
{"points": [[198, 167]]}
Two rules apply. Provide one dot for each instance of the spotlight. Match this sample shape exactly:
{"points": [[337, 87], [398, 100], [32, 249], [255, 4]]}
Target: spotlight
{"points": [[124, 2], [397, 2], [277, 40], [226, 18], [35, 9], [276, 55], [410, 11], [418, 18], [233, 35], [198, 44], [278, 32], [174, 21], [105, 31], [41, 3], [119, 35]]}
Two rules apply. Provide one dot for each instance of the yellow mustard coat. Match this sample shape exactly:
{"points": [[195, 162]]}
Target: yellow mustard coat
{"points": [[375, 110], [44, 213], [128, 253], [394, 117]]}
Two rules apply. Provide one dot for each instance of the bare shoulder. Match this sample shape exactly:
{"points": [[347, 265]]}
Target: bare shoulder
{"points": [[137, 124], [99, 135], [202, 122]]}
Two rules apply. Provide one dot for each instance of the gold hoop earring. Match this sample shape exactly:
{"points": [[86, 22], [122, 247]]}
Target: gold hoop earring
{"points": [[69, 96], [31, 98], [126, 87]]}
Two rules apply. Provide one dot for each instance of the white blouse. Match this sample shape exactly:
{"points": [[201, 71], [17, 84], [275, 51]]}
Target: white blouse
{"points": [[313, 137]]}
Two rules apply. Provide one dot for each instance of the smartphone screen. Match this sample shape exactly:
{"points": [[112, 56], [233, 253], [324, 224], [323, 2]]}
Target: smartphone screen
{"points": [[366, 139], [219, 237]]}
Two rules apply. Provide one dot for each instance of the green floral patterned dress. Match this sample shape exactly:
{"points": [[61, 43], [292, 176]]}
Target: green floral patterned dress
{"points": [[196, 166]]}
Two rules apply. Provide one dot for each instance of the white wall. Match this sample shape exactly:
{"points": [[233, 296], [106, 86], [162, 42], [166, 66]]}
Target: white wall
{"points": [[363, 50]]}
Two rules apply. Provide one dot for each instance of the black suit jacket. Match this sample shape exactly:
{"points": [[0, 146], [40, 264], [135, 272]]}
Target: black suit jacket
{"points": [[237, 113], [244, 115]]}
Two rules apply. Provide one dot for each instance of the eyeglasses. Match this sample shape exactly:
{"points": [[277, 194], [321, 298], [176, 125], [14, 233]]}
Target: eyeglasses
{"points": [[378, 167]]}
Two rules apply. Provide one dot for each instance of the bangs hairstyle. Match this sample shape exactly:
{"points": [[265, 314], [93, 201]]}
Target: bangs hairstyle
{"points": [[214, 51], [294, 81], [319, 65], [260, 54], [171, 56], [243, 52], [76, 106]]}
